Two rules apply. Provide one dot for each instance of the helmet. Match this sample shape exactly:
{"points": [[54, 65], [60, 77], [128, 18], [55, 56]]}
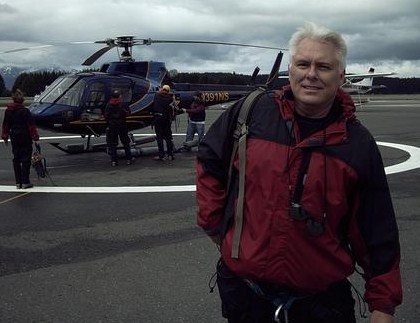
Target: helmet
{"points": [[115, 93]]}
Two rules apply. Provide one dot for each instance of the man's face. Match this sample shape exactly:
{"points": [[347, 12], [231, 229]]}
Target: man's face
{"points": [[315, 76]]}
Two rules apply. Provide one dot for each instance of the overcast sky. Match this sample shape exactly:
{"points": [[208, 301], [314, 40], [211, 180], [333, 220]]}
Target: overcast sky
{"points": [[384, 34]]}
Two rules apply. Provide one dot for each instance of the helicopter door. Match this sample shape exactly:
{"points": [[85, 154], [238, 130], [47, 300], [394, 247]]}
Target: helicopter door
{"points": [[95, 103]]}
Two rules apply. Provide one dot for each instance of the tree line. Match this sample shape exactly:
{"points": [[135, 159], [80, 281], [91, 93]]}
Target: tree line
{"points": [[30, 83], [35, 82]]}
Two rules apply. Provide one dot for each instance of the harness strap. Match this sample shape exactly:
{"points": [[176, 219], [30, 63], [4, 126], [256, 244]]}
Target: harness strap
{"points": [[282, 301], [239, 145]]}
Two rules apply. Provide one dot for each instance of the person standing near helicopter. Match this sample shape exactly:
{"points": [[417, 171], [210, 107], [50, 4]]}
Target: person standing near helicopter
{"points": [[115, 116], [19, 125], [162, 120], [196, 119]]}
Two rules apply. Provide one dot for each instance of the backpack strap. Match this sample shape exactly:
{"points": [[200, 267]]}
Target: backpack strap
{"points": [[239, 146]]}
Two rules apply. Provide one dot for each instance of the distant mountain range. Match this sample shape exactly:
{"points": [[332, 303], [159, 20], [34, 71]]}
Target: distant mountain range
{"points": [[10, 73]]}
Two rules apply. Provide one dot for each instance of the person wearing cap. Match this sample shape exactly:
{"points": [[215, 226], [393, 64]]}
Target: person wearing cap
{"points": [[196, 119], [162, 120], [115, 116], [19, 126]]}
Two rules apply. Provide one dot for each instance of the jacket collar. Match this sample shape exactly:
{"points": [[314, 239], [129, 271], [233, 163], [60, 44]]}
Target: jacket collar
{"points": [[334, 133], [14, 106]]}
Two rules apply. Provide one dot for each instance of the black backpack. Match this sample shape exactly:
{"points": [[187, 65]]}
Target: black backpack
{"points": [[19, 128]]}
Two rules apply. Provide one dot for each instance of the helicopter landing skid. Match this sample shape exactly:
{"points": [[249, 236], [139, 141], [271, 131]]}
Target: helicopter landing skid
{"points": [[81, 148]]}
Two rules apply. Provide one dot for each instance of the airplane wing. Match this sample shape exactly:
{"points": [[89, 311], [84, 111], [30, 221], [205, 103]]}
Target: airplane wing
{"points": [[358, 76], [354, 76]]}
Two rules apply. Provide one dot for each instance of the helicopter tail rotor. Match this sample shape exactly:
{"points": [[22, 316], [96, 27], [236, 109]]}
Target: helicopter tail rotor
{"points": [[274, 70], [254, 75]]}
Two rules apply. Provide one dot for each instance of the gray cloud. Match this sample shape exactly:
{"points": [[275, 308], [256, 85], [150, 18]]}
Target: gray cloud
{"points": [[383, 35], [7, 9]]}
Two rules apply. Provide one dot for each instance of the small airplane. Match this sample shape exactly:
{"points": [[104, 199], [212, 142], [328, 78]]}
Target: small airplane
{"points": [[362, 83], [356, 83], [74, 103]]}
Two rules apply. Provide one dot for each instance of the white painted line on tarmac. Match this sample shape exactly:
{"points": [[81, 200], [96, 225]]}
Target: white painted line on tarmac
{"points": [[413, 162], [101, 189], [102, 136]]}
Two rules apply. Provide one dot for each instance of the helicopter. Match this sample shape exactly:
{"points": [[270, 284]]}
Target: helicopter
{"points": [[74, 103]]}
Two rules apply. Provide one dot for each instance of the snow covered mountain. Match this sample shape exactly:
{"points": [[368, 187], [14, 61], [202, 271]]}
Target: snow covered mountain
{"points": [[10, 73]]}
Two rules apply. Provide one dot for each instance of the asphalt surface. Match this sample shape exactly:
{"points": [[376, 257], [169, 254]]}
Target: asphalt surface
{"points": [[95, 243]]}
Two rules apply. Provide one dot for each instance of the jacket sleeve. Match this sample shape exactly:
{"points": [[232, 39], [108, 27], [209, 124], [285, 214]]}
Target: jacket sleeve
{"points": [[212, 170], [5, 130], [374, 236], [196, 108], [32, 128], [106, 112], [127, 111]]}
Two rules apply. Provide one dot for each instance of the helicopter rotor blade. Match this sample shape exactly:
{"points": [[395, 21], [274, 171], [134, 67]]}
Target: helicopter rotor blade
{"points": [[25, 48], [92, 58], [161, 41], [48, 45]]}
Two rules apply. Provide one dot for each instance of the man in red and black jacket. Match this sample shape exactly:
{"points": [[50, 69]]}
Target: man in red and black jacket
{"points": [[19, 125], [316, 199]]}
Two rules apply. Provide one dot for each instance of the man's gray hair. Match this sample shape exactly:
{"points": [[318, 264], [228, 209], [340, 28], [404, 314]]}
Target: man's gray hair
{"points": [[313, 31]]}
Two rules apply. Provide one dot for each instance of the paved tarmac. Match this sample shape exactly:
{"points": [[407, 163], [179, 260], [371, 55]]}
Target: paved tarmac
{"points": [[95, 243]]}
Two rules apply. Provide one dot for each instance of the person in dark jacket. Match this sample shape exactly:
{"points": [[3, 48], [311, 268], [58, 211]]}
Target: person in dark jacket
{"points": [[196, 118], [316, 199], [115, 116], [19, 125], [162, 120]]}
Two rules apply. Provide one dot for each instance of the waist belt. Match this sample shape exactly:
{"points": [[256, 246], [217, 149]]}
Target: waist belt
{"points": [[281, 299]]}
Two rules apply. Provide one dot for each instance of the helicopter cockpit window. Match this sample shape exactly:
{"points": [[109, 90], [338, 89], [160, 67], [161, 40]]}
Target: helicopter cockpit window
{"points": [[64, 90], [96, 99], [94, 105], [73, 95]]}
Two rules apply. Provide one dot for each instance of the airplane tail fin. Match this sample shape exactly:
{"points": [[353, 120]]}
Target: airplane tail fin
{"points": [[367, 81]]}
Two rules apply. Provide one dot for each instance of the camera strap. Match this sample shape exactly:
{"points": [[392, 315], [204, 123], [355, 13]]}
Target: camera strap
{"points": [[301, 178]]}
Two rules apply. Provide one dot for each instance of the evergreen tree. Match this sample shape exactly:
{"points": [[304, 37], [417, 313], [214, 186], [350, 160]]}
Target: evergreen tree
{"points": [[34, 83], [2, 86]]}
